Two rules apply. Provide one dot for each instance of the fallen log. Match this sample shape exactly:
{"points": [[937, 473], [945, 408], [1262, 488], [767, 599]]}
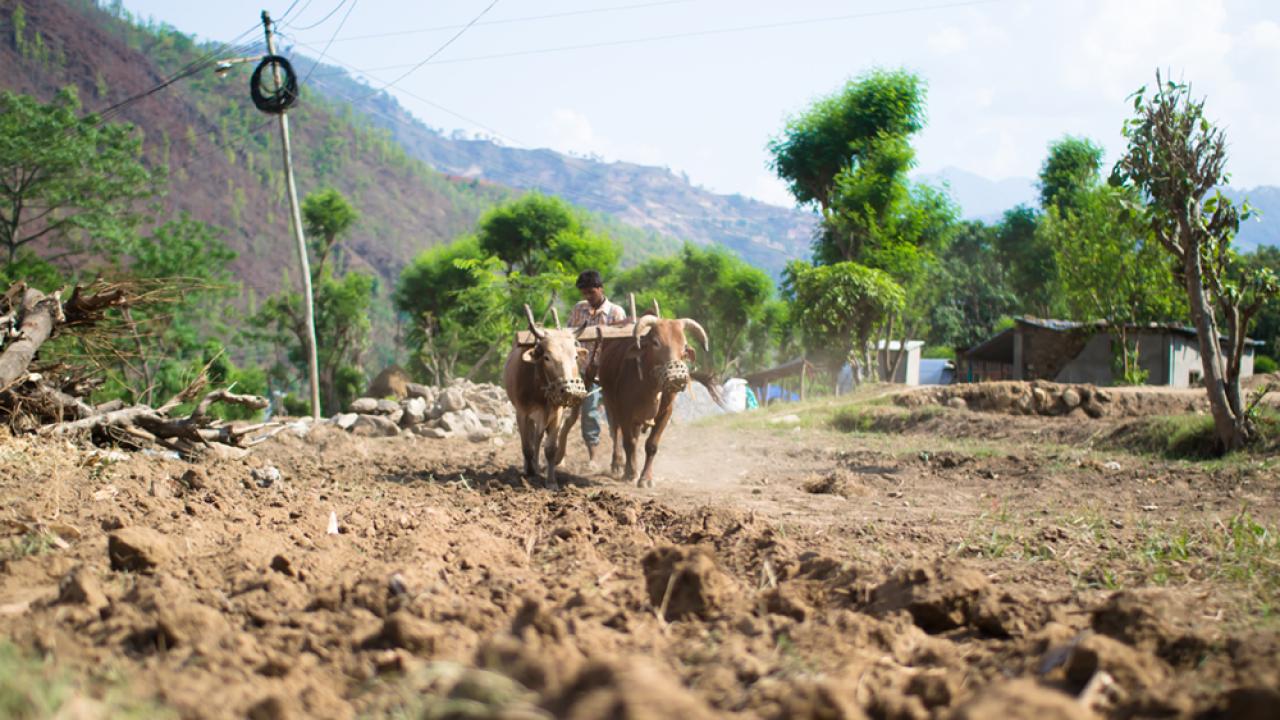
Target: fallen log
{"points": [[32, 402]]}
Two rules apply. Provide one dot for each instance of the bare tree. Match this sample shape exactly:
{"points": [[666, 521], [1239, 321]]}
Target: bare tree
{"points": [[1177, 159]]}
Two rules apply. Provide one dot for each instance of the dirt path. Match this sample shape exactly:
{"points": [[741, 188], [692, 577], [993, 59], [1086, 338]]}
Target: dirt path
{"points": [[775, 571]]}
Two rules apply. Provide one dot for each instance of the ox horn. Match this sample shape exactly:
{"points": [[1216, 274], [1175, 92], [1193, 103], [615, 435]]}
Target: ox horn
{"points": [[692, 326], [533, 327], [656, 311], [641, 324], [555, 315]]}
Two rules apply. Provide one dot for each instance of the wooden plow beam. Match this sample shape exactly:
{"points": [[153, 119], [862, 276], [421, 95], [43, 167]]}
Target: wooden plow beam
{"points": [[524, 338]]}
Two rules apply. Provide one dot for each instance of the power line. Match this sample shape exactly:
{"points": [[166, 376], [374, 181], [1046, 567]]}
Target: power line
{"points": [[330, 43], [508, 21], [292, 5], [696, 33], [425, 101], [442, 48], [322, 20], [198, 65]]}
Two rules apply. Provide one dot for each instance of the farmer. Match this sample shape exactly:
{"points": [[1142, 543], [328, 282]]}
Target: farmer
{"points": [[594, 309]]}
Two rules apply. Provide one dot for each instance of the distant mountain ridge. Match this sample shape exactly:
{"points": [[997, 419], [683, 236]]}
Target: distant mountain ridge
{"points": [[983, 199], [649, 198]]}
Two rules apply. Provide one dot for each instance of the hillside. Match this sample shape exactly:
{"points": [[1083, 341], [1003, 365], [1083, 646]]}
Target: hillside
{"points": [[223, 156], [987, 200], [648, 198]]}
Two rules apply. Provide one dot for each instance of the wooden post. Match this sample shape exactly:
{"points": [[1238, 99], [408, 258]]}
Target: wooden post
{"points": [[313, 365], [802, 379]]}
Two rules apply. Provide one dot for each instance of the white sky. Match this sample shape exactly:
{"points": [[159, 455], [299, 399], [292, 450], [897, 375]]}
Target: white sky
{"points": [[1005, 77]]}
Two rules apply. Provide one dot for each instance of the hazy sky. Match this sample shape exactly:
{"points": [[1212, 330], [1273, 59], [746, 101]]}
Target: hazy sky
{"points": [[1005, 77]]}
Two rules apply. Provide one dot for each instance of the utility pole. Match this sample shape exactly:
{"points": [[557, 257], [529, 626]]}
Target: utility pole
{"points": [[313, 368]]}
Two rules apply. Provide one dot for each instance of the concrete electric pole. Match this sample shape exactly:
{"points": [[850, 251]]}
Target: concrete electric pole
{"points": [[313, 369]]}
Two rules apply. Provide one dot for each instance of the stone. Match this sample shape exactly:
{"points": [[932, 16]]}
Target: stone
{"points": [[81, 587], [345, 420], [391, 382], [374, 426], [480, 435], [415, 411], [434, 433], [267, 476], [957, 403], [1071, 398], [138, 549], [364, 406], [425, 392], [451, 400], [387, 407], [785, 420], [460, 423]]}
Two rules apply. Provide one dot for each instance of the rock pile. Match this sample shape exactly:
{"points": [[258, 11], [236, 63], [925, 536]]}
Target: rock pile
{"points": [[476, 411], [1016, 398]]}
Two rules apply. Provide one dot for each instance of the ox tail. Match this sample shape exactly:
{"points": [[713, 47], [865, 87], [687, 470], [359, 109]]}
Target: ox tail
{"points": [[712, 384]]}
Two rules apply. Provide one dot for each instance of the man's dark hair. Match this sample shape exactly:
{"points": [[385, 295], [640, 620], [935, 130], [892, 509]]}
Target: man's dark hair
{"points": [[590, 279]]}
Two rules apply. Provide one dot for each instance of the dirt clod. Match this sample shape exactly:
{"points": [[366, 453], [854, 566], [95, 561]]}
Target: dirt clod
{"points": [[138, 549], [1021, 700], [684, 582], [81, 587]]}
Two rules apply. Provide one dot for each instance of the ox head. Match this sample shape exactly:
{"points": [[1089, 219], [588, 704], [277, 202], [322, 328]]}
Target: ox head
{"points": [[663, 352], [555, 357]]}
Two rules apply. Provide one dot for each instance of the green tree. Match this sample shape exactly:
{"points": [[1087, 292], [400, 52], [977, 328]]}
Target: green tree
{"points": [[538, 233], [1266, 326], [1032, 271], [326, 216], [1072, 167], [973, 293], [1176, 159], [464, 299], [1111, 268], [724, 294], [839, 307], [342, 307], [68, 184], [845, 129]]}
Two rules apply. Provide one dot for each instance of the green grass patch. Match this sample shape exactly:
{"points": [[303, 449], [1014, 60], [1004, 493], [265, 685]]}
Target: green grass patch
{"points": [[1192, 437], [33, 689]]}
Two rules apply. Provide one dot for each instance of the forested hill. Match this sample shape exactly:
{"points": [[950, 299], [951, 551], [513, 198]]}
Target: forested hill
{"points": [[223, 155], [651, 198]]}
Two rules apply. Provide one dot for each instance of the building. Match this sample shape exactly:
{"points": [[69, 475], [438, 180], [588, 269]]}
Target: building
{"points": [[1073, 352], [909, 369]]}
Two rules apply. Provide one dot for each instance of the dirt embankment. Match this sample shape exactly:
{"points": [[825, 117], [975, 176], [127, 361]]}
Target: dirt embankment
{"points": [[451, 590]]}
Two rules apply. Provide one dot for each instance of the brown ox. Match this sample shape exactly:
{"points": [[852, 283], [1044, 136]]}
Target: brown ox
{"points": [[640, 381], [542, 382]]}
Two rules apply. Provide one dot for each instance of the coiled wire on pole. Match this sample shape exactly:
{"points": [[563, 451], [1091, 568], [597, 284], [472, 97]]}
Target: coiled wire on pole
{"points": [[283, 96]]}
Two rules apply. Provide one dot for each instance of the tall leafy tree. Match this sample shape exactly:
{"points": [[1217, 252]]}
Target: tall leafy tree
{"points": [[725, 295], [69, 184], [973, 296], [342, 306], [464, 299], [846, 128], [1032, 270], [1112, 268], [1073, 166], [538, 233], [1176, 159], [839, 307]]}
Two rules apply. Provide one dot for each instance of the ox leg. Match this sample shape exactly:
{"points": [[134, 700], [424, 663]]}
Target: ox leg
{"points": [[552, 449], [615, 465], [629, 438], [529, 446], [655, 436], [570, 418]]}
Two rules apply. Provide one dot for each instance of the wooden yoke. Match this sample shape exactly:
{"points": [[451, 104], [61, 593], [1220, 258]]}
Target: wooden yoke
{"points": [[605, 333]]}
